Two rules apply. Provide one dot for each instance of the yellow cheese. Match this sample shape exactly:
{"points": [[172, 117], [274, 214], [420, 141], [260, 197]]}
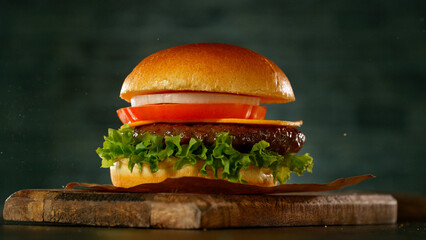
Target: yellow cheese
{"points": [[223, 120]]}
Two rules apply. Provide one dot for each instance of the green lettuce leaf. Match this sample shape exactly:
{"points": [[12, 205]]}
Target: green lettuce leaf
{"points": [[222, 155], [293, 164], [152, 149]]}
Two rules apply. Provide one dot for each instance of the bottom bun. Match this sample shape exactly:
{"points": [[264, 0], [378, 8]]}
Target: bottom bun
{"points": [[122, 177]]}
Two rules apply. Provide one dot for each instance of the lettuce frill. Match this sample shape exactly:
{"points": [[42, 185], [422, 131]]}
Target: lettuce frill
{"points": [[152, 149]]}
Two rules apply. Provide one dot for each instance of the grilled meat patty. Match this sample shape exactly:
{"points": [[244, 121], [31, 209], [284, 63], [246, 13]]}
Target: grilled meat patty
{"points": [[282, 140]]}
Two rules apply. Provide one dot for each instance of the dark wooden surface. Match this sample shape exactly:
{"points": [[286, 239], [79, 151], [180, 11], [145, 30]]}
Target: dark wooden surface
{"points": [[198, 211], [365, 232]]}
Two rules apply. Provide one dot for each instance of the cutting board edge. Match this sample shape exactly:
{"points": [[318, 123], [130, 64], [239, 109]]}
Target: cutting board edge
{"points": [[36, 204]]}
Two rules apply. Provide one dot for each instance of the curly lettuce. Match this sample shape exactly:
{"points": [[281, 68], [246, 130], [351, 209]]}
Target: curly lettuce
{"points": [[152, 149]]}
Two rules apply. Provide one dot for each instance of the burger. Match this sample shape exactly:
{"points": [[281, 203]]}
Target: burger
{"points": [[197, 111]]}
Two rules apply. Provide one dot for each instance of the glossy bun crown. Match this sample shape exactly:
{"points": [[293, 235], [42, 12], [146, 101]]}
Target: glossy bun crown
{"points": [[209, 67]]}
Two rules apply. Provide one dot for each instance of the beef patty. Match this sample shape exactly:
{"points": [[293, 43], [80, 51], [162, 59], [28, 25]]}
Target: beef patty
{"points": [[282, 140]]}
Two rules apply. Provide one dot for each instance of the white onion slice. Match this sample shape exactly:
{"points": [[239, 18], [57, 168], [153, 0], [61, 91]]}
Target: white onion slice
{"points": [[192, 98]]}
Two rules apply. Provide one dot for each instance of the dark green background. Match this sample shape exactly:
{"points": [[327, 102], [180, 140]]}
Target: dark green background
{"points": [[357, 67]]}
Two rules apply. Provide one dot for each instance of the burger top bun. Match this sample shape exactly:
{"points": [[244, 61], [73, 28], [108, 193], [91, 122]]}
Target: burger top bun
{"points": [[209, 67]]}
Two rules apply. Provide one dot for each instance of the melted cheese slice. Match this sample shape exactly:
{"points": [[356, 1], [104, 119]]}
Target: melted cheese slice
{"points": [[223, 120]]}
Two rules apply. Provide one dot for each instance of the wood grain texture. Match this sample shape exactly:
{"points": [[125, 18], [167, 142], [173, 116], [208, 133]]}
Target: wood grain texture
{"points": [[195, 211]]}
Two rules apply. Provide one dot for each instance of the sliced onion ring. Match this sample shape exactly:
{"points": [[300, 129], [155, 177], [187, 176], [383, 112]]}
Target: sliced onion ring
{"points": [[192, 98]]}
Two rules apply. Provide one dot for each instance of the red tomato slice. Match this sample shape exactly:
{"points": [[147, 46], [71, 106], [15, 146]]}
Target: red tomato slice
{"points": [[191, 111]]}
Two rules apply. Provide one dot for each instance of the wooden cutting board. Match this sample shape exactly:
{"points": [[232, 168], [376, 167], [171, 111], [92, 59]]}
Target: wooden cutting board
{"points": [[198, 211]]}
